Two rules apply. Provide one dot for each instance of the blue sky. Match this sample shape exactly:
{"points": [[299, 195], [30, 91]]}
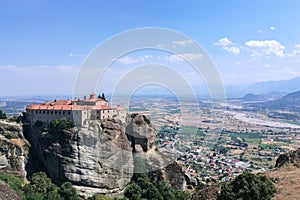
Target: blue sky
{"points": [[43, 43]]}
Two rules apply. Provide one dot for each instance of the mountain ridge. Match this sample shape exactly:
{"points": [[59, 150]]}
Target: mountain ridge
{"points": [[283, 86]]}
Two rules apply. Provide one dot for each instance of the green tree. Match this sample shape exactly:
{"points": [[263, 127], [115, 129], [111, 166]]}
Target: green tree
{"points": [[133, 191], [166, 191], [2, 115], [151, 192], [99, 197], [15, 183], [61, 124], [103, 96], [143, 187], [248, 186], [41, 188], [67, 191]]}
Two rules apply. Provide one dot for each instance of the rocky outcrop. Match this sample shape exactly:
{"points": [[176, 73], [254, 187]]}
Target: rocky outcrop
{"points": [[173, 175], [102, 156], [7, 193], [140, 133], [208, 193], [287, 158], [95, 158], [14, 149]]}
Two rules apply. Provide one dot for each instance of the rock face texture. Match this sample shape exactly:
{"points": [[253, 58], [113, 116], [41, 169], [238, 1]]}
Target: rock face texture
{"points": [[14, 149], [7, 193], [287, 158], [100, 157], [140, 133], [95, 158], [208, 193]]}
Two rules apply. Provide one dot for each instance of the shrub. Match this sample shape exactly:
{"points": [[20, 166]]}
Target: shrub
{"points": [[61, 124], [2, 115], [67, 191], [15, 183], [146, 120], [248, 186]]}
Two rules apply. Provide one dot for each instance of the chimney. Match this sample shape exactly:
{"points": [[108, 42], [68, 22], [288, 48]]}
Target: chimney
{"points": [[84, 97]]}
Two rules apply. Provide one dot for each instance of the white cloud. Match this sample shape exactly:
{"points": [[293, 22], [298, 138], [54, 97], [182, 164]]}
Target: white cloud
{"points": [[192, 56], [261, 31], [234, 50], [132, 60], [180, 58], [272, 28], [297, 46], [227, 45], [267, 47], [295, 53], [127, 60], [77, 55], [182, 42], [174, 58], [223, 42]]}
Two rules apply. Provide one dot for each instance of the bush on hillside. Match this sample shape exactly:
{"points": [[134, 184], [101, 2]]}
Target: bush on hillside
{"points": [[248, 186]]}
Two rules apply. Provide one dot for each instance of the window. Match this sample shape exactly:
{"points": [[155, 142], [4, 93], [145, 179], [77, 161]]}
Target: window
{"points": [[55, 112], [103, 111], [44, 112], [63, 112], [103, 117], [51, 112], [36, 111], [47, 111], [69, 113], [59, 112], [40, 111]]}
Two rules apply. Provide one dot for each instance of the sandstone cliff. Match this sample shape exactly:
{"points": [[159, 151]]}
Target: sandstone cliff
{"points": [[142, 135], [100, 157], [95, 158], [14, 149]]}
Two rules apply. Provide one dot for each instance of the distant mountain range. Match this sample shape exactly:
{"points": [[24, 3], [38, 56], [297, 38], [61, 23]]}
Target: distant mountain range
{"points": [[253, 97], [289, 102], [282, 86]]}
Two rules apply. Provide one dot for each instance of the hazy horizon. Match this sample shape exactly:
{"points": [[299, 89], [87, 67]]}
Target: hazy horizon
{"points": [[44, 45]]}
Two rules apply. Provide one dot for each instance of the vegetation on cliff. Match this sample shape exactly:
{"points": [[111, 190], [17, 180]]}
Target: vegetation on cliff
{"points": [[60, 124], [248, 186], [40, 188], [143, 188]]}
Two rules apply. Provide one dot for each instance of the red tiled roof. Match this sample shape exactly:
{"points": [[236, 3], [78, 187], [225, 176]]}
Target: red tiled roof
{"points": [[67, 107]]}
